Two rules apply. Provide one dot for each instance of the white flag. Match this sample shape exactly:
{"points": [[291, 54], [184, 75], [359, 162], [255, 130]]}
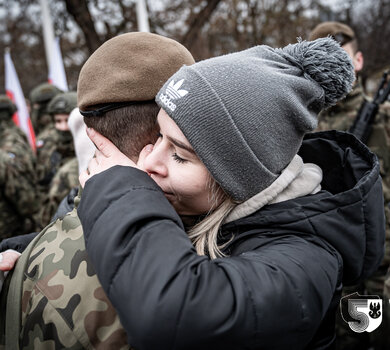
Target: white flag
{"points": [[142, 16], [57, 75], [15, 93]]}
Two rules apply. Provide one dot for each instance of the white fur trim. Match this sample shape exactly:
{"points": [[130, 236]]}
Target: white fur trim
{"points": [[296, 180]]}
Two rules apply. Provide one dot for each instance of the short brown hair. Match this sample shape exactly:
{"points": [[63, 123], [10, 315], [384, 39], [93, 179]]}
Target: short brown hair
{"points": [[129, 128]]}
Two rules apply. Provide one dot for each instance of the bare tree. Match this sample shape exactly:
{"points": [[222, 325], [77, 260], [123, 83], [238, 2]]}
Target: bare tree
{"points": [[207, 28], [80, 12], [196, 23], [372, 28]]}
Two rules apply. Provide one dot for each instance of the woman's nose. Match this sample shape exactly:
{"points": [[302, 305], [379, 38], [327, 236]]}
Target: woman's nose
{"points": [[154, 163]]}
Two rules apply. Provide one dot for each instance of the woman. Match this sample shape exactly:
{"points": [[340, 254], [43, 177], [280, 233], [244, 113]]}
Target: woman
{"points": [[226, 240]]}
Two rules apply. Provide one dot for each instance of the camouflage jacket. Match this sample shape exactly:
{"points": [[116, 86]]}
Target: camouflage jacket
{"points": [[54, 148], [18, 201], [66, 178], [63, 303]]}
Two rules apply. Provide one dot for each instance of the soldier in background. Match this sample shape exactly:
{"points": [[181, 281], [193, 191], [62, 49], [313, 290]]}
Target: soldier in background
{"points": [[57, 149], [62, 303], [40, 97], [341, 117], [17, 176], [67, 176]]}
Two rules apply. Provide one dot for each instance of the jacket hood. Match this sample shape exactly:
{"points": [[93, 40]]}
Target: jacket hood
{"points": [[347, 213]]}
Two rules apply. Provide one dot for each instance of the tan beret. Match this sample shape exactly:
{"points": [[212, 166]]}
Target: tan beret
{"points": [[130, 67], [334, 29]]}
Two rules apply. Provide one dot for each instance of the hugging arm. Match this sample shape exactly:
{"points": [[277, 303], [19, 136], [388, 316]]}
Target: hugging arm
{"points": [[167, 296]]}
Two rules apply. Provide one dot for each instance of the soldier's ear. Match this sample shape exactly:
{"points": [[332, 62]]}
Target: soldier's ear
{"points": [[358, 61]]}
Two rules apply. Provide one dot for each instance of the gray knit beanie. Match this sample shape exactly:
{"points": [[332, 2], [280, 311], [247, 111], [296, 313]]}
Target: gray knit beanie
{"points": [[245, 114]]}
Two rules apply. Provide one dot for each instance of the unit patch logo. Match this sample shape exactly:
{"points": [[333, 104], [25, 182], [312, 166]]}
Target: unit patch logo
{"points": [[363, 313]]}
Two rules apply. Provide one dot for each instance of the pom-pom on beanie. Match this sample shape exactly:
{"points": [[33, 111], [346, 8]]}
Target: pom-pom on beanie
{"points": [[245, 114]]}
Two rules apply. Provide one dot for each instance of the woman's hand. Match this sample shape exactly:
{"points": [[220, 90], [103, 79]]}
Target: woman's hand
{"points": [[8, 259], [106, 156]]}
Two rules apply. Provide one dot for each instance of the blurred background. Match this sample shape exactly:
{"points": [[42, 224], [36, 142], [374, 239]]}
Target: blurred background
{"points": [[206, 28]]}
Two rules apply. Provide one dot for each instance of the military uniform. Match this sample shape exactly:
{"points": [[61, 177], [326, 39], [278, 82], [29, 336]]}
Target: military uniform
{"points": [[40, 97], [54, 149], [63, 304], [341, 117], [17, 179], [66, 178]]}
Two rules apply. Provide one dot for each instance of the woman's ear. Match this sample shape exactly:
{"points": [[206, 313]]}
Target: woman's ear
{"points": [[358, 61]]}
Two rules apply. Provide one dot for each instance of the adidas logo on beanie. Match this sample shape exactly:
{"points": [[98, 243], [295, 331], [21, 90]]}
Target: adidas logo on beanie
{"points": [[245, 114]]}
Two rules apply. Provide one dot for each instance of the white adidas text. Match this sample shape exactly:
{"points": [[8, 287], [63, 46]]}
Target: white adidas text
{"points": [[167, 102]]}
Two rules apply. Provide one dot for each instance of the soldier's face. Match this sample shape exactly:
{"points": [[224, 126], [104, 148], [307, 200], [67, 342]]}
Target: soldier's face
{"points": [[61, 122]]}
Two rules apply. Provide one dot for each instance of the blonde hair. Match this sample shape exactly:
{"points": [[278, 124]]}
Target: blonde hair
{"points": [[204, 235]]}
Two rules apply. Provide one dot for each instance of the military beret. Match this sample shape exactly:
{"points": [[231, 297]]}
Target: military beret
{"points": [[339, 31], [131, 67]]}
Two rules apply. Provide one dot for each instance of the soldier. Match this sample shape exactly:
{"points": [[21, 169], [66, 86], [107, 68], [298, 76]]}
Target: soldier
{"points": [[67, 176], [341, 117], [63, 304], [17, 177], [57, 149], [40, 96]]}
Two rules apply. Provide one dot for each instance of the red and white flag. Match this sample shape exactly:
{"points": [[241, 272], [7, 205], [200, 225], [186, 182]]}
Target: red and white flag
{"points": [[57, 74], [15, 93]]}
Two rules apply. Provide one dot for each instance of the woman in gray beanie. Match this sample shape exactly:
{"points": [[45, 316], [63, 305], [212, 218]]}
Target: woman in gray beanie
{"points": [[235, 232]]}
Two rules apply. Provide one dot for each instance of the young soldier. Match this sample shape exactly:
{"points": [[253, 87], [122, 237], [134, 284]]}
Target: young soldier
{"points": [[64, 186], [341, 117], [17, 177], [58, 151], [62, 302], [41, 120]]}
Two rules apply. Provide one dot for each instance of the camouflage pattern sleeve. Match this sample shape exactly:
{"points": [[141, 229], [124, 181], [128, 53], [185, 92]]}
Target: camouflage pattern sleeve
{"points": [[63, 303]]}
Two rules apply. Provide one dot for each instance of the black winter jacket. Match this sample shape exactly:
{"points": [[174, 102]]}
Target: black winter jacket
{"points": [[280, 286]]}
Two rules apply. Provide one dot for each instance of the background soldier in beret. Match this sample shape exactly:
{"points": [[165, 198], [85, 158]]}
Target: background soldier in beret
{"points": [[63, 303], [17, 176], [341, 117]]}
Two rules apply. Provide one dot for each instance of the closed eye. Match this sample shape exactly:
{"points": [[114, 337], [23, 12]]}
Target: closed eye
{"points": [[178, 158]]}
